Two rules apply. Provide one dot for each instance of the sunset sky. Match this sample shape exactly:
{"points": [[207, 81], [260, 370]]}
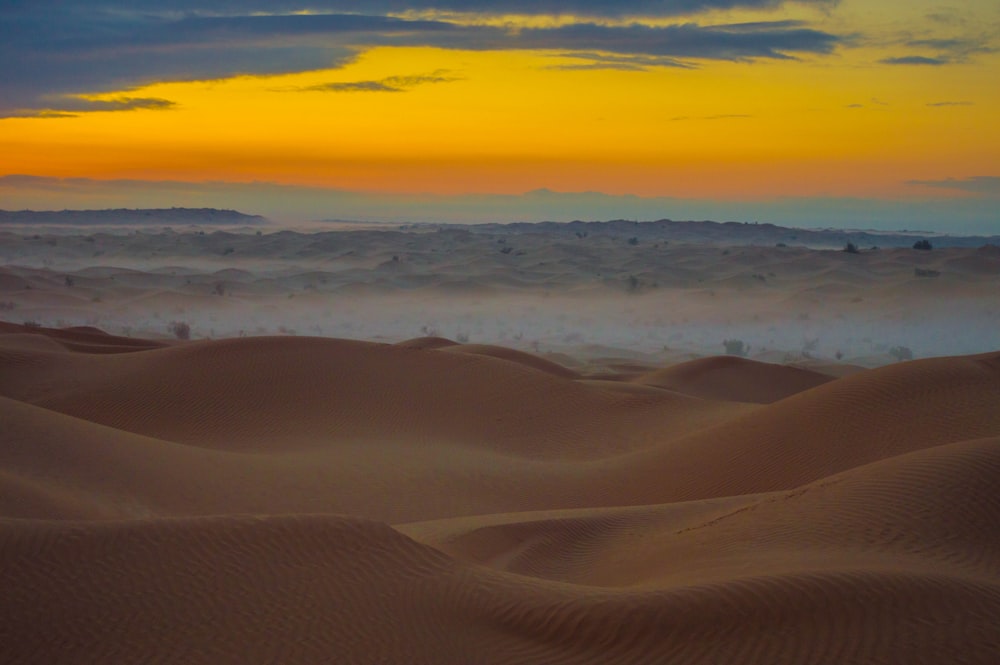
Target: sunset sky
{"points": [[875, 113]]}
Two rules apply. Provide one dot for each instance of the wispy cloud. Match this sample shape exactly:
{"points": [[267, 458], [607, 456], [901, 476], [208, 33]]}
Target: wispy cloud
{"points": [[983, 184], [915, 60], [70, 106], [955, 49], [947, 50], [632, 63], [389, 84], [940, 104]]}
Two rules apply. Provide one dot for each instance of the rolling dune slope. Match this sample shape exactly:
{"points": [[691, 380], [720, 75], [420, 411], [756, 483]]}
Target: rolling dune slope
{"points": [[313, 500]]}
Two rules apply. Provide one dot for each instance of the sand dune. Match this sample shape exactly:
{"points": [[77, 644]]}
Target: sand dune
{"points": [[314, 500], [734, 379]]}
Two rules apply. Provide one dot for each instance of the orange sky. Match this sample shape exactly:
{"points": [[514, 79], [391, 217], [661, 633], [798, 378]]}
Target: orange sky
{"points": [[839, 124]]}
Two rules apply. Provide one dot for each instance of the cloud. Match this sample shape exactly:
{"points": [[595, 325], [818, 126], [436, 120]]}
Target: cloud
{"points": [[947, 16], [70, 106], [955, 49], [390, 84], [939, 104], [983, 184], [738, 42], [915, 60], [54, 52], [952, 50], [581, 8], [632, 63]]}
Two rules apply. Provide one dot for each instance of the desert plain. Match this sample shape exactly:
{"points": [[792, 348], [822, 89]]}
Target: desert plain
{"points": [[618, 443]]}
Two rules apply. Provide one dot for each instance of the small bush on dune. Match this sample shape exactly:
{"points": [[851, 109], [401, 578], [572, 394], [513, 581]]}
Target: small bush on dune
{"points": [[850, 248], [901, 353], [180, 330], [924, 245], [736, 347]]}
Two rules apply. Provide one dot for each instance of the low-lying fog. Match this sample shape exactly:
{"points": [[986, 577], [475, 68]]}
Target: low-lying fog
{"points": [[595, 296]]}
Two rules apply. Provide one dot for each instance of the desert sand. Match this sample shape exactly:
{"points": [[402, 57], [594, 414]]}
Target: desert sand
{"points": [[603, 487]]}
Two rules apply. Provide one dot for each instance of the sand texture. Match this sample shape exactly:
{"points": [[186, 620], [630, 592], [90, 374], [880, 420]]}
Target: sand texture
{"points": [[292, 499]]}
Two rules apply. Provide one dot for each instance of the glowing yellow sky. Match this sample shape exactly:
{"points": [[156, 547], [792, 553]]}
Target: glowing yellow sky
{"points": [[512, 121]]}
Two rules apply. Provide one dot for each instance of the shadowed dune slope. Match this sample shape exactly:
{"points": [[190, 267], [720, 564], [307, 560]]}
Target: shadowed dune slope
{"points": [[512, 355], [82, 338], [287, 393], [914, 511], [309, 500], [734, 379], [840, 425], [858, 584]]}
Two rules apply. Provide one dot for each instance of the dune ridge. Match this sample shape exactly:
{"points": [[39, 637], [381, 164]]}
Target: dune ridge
{"points": [[308, 500]]}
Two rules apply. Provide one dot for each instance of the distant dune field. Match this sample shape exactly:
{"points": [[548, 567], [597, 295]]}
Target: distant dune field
{"points": [[316, 500], [632, 296]]}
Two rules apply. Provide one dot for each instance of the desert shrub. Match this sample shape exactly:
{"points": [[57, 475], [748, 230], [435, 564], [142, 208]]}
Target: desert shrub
{"points": [[180, 329], [901, 353], [34, 325], [632, 284], [506, 250], [736, 347], [924, 245], [850, 248], [926, 272], [633, 241], [462, 338]]}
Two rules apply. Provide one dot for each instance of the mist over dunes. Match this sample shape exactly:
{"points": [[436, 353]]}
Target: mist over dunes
{"points": [[653, 291]]}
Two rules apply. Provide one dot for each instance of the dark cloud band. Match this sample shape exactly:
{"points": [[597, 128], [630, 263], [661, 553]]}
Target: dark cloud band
{"points": [[580, 8], [50, 58]]}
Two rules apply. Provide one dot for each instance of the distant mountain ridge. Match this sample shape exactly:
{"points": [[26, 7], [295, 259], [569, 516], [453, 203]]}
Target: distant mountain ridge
{"points": [[128, 216], [736, 233]]}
